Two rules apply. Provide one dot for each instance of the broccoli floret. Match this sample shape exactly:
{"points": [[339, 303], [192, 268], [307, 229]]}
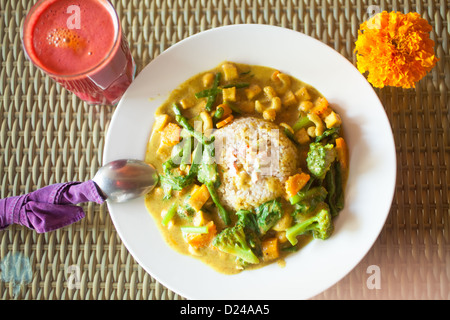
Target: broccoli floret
{"points": [[320, 225], [232, 240], [319, 159], [247, 219], [306, 201], [170, 181], [329, 135], [268, 214]]}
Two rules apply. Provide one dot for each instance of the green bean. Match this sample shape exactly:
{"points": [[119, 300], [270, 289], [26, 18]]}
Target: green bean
{"points": [[237, 85], [183, 121], [233, 107], [219, 113], [302, 122], [169, 214], [207, 92], [212, 97], [290, 135], [193, 229], [210, 94]]}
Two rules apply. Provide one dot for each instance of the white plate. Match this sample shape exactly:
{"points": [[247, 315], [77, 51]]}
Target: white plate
{"points": [[371, 180]]}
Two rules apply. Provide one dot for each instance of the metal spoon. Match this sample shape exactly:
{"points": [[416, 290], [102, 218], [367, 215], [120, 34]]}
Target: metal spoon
{"points": [[126, 179]]}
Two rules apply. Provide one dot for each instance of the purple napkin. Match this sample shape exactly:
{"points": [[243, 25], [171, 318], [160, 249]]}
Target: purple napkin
{"points": [[49, 208]]}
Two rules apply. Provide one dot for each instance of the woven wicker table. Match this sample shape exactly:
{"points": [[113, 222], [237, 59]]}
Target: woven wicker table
{"points": [[47, 136]]}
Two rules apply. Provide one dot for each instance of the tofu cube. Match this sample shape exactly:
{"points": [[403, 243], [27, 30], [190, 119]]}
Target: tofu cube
{"points": [[229, 94], [269, 114], [230, 71], [305, 106], [303, 94], [160, 122], [289, 99], [200, 219], [186, 103], [208, 79], [170, 135], [199, 197], [302, 136], [252, 91], [332, 120], [164, 151]]}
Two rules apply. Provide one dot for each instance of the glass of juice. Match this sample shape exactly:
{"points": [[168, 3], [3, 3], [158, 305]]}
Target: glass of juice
{"points": [[80, 44]]}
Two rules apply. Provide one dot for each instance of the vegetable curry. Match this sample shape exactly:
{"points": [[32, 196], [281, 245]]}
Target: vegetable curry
{"points": [[188, 205]]}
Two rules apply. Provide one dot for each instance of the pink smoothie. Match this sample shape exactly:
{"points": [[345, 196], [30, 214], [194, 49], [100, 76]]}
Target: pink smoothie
{"points": [[84, 50]]}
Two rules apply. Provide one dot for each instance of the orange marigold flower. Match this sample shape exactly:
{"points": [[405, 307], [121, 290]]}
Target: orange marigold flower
{"points": [[395, 49]]}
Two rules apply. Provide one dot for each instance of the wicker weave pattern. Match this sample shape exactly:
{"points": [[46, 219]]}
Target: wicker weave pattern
{"points": [[47, 136]]}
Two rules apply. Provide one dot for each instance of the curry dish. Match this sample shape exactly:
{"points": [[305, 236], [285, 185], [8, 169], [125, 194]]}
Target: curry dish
{"points": [[252, 165]]}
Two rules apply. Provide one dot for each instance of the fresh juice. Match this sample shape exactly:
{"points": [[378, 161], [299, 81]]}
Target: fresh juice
{"points": [[80, 44]]}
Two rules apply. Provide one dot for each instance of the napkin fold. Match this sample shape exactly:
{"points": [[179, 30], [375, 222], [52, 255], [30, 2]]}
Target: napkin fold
{"points": [[49, 208]]}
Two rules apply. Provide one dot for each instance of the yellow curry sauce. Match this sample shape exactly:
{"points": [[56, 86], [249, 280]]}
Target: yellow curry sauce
{"points": [[243, 91]]}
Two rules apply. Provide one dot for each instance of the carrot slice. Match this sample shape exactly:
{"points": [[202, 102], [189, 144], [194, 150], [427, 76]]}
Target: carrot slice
{"points": [[321, 107], [295, 183], [200, 240], [224, 122], [342, 152], [199, 197], [226, 110], [270, 249], [171, 134]]}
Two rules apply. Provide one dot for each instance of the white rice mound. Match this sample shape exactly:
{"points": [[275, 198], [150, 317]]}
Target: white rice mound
{"points": [[255, 158]]}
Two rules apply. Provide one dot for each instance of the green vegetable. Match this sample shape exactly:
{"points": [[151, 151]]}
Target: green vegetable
{"points": [[306, 195], [170, 181], [334, 184], [204, 166], [332, 133], [210, 94], [290, 135], [183, 121], [233, 107], [320, 225], [247, 219], [186, 149], [253, 241], [319, 159], [207, 92], [233, 240], [237, 85], [169, 214], [209, 176], [194, 229], [306, 207], [268, 214], [218, 114], [302, 122], [185, 211]]}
